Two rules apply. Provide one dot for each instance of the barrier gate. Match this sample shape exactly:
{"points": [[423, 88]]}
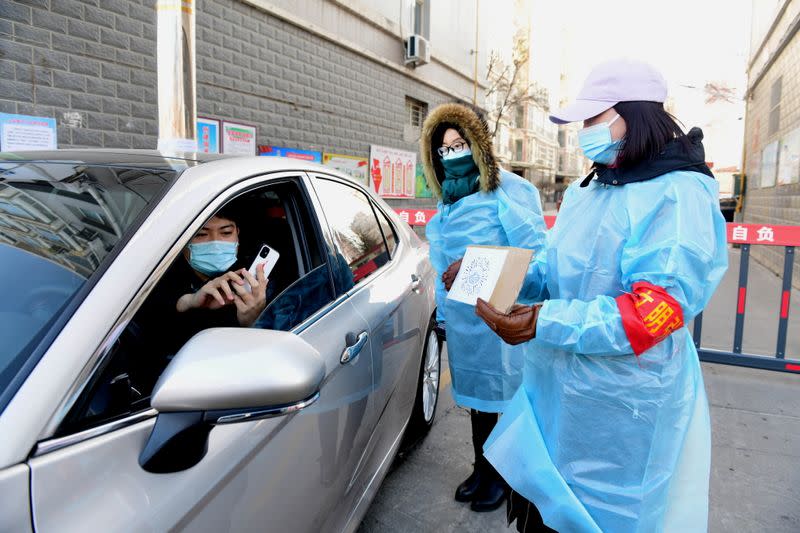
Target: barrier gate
{"points": [[744, 235], [747, 235]]}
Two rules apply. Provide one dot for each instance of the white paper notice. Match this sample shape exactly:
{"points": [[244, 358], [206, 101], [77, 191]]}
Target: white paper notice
{"points": [[19, 133], [478, 275], [238, 139]]}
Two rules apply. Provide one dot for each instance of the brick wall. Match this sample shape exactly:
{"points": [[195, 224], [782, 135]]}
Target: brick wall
{"points": [[300, 89], [91, 68], [91, 65], [778, 204]]}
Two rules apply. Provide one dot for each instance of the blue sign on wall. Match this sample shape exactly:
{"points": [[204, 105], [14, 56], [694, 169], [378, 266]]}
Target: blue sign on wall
{"points": [[207, 135], [292, 153]]}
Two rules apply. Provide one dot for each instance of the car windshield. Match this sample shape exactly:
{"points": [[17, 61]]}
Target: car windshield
{"points": [[59, 220]]}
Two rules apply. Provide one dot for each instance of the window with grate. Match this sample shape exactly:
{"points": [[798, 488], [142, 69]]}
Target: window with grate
{"points": [[775, 106], [416, 112]]}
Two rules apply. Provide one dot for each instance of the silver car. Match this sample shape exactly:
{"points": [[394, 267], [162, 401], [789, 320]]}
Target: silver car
{"points": [[110, 420]]}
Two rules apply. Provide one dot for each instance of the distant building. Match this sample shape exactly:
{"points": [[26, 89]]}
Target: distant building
{"points": [[772, 128], [571, 163], [541, 141], [526, 140], [527, 143]]}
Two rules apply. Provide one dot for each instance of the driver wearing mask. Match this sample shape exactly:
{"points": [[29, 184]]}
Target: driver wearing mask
{"points": [[217, 281], [206, 287]]}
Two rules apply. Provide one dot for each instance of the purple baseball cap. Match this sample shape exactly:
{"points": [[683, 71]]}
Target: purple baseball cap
{"points": [[612, 82]]}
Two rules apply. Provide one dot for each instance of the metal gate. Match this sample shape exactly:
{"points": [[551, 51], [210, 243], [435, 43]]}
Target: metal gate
{"points": [[761, 235]]}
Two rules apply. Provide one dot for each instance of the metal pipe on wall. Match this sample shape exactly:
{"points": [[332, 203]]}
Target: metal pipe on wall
{"points": [[177, 103]]}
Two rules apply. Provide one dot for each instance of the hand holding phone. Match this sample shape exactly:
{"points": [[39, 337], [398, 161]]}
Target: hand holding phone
{"points": [[266, 256]]}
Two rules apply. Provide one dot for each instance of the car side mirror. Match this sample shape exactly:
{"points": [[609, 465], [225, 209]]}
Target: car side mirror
{"points": [[224, 376]]}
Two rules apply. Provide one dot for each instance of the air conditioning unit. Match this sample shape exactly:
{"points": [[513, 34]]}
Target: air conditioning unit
{"points": [[418, 50]]}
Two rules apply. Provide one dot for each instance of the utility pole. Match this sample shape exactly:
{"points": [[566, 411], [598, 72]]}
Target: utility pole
{"points": [[177, 105]]}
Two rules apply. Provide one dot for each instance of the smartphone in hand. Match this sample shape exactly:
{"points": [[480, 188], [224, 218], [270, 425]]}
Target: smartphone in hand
{"points": [[266, 256]]}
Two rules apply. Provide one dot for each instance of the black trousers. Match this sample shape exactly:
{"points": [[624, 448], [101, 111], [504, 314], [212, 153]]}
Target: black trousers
{"points": [[525, 513], [482, 425]]}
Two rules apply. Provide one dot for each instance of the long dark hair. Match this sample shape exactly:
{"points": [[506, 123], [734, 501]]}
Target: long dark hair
{"points": [[649, 128]]}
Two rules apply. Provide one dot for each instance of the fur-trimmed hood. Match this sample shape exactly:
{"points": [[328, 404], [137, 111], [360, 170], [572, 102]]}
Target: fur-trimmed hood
{"points": [[476, 132]]}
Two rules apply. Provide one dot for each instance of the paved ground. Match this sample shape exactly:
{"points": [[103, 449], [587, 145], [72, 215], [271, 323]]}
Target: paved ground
{"points": [[755, 479], [417, 495]]}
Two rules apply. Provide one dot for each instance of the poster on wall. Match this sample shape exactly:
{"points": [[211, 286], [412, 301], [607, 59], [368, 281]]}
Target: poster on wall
{"points": [[238, 139], [292, 153], [789, 159], [769, 164], [423, 191], [22, 132], [393, 172], [207, 135], [353, 166]]}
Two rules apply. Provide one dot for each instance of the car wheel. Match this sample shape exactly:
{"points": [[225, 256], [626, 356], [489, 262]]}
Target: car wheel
{"points": [[427, 386]]}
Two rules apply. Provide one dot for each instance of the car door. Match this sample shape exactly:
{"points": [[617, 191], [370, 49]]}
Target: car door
{"points": [[280, 474], [389, 294]]}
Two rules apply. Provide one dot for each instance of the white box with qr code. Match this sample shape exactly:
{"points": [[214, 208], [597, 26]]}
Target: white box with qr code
{"points": [[492, 273]]}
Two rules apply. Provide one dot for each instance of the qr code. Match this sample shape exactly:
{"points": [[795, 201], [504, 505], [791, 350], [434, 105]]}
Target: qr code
{"points": [[475, 276]]}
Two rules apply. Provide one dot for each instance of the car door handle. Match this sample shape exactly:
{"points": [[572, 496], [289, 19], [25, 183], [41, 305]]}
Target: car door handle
{"points": [[415, 283], [355, 345]]}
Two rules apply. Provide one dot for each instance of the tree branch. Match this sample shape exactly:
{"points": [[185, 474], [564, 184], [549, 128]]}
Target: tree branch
{"points": [[505, 81]]}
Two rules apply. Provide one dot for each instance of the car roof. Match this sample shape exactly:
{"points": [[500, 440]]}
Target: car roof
{"points": [[189, 167], [154, 159], [110, 156]]}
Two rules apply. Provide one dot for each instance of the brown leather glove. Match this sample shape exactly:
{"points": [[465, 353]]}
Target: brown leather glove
{"points": [[516, 326], [450, 274]]}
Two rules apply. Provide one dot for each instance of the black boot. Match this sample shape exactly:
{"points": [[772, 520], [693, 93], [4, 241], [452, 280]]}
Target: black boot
{"points": [[492, 490], [466, 491]]}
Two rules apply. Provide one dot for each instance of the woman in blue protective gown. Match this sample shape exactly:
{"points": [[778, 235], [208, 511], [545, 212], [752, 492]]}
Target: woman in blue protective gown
{"points": [[480, 205], [610, 430]]}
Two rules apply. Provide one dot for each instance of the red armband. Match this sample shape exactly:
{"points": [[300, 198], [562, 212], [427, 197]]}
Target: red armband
{"points": [[649, 315]]}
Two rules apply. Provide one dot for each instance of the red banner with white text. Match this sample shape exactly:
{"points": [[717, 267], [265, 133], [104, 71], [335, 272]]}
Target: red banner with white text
{"points": [[768, 234], [421, 217]]}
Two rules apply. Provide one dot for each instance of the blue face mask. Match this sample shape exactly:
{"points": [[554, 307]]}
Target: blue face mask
{"points": [[213, 257], [597, 144]]}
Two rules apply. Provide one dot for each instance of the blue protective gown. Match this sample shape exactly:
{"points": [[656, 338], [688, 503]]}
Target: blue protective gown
{"points": [[485, 370], [599, 439]]}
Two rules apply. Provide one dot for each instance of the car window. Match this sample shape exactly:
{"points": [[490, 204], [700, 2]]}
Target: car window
{"points": [[355, 228], [299, 285], [311, 291], [58, 223], [388, 232]]}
